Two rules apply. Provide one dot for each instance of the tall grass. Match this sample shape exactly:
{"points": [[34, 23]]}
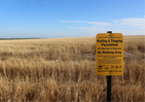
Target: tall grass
{"points": [[65, 70]]}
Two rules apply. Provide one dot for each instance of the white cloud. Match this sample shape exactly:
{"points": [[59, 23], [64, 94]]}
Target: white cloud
{"points": [[98, 24], [137, 23], [82, 27], [127, 26], [13, 29]]}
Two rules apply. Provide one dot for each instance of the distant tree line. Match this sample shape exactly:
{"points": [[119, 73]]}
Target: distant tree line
{"points": [[17, 38]]}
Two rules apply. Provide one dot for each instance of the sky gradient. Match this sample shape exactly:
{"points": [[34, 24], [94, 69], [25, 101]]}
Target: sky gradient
{"points": [[70, 18]]}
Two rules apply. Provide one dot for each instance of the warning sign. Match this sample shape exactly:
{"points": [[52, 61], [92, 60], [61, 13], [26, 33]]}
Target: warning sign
{"points": [[109, 54]]}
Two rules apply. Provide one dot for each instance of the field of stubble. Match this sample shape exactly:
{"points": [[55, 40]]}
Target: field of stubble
{"points": [[64, 69]]}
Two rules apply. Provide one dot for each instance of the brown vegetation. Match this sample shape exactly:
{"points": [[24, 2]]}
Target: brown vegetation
{"points": [[64, 69]]}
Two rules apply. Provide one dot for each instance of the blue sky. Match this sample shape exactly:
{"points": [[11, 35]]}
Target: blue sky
{"points": [[70, 18]]}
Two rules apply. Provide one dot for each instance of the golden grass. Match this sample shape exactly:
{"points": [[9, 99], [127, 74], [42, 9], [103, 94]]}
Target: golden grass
{"points": [[64, 69]]}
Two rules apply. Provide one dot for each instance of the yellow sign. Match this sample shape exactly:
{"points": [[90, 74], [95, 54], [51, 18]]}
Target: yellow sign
{"points": [[109, 54]]}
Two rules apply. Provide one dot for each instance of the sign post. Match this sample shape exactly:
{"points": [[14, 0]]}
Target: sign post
{"points": [[109, 88], [109, 56], [109, 83]]}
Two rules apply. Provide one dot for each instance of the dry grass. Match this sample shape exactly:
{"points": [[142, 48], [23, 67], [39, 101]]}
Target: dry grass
{"points": [[65, 70]]}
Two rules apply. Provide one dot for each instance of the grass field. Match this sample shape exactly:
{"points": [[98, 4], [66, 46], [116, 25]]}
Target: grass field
{"points": [[64, 69]]}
